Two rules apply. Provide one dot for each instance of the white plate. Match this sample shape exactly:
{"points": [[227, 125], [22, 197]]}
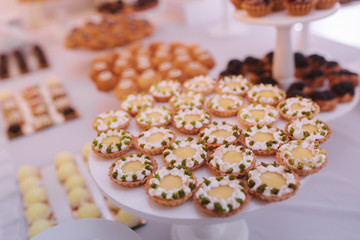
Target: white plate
{"points": [[89, 229]]}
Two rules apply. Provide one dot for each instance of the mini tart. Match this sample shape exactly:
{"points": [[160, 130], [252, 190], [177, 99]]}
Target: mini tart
{"points": [[155, 140], [230, 159], [162, 91], [132, 170], [297, 107], [224, 105], [134, 102], [110, 120], [264, 140], [170, 186], [258, 114], [221, 196], [185, 153], [312, 130], [112, 143], [191, 120], [265, 93], [186, 100], [217, 134], [200, 84], [237, 85], [159, 116], [302, 157], [272, 182]]}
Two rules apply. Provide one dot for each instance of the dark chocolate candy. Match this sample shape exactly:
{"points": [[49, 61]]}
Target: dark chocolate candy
{"points": [[342, 88]]}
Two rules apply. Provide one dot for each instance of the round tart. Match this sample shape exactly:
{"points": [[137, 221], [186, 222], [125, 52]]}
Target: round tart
{"points": [[159, 116], [112, 143], [155, 140], [258, 114], [170, 186], [237, 85], [132, 170], [272, 182], [200, 84], [230, 159], [224, 105], [297, 107], [162, 91], [264, 140], [134, 102], [302, 157], [217, 134], [185, 153], [191, 120], [221, 196], [312, 130], [185, 100], [265, 93], [110, 120]]}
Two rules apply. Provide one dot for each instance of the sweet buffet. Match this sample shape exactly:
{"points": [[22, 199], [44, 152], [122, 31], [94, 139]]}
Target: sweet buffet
{"points": [[146, 126]]}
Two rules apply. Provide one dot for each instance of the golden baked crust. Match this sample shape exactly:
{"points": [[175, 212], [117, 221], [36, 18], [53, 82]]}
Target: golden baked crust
{"points": [[115, 154], [155, 151], [317, 141], [290, 118]]}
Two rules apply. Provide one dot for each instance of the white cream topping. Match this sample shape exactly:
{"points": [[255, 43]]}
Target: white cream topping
{"points": [[105, 76], [237, 85], [206, 133], [118, 118], [124, 141], [143, 115], [128, 106], [239, 167], [304, 107], [182, 100], [168, 135], [278, 135], [259, 170], [119, 174], [180, 118], [295, 128], [235, 200], [156, 191], [254, 93], [270, 112], [196, 159], [165, 88], [216, 100], [200, 84], [304, 163]]}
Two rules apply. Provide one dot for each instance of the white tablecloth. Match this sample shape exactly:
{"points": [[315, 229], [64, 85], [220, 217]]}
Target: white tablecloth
{"points": [[327, 207]]}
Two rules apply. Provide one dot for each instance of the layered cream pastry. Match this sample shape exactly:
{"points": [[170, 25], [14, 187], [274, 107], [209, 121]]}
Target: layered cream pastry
{"points": [[272, 182], [230, 159], [302, 157], [132, 170], [298, 107], [264, 140], [221, 196], [159, 116], [236, 85], [154, 141], [312, 130], [171, 186], [185, 153], [200, 84], [265, 93], [186, 99], [162, 91], [112, 143], [111, 120], [134, 102], [258, 114], [224, 105], [217, 134], [191, 120]]}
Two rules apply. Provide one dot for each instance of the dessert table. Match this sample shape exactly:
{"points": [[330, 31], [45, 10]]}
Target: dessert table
{"points": [[326, 208]]}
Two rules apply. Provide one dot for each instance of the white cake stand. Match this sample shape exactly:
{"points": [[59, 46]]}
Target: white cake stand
{"points": [[283, 63]]}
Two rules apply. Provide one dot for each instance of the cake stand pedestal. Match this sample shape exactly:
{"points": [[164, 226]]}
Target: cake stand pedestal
{"points": [[283, 63]]}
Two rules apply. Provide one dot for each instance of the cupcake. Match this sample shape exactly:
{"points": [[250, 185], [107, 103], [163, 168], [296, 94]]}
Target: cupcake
{"points": [[299, 7], [257, 8]]}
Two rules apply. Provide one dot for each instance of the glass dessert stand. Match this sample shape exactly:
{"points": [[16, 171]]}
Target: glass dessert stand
{"points": [[283, 65]]}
